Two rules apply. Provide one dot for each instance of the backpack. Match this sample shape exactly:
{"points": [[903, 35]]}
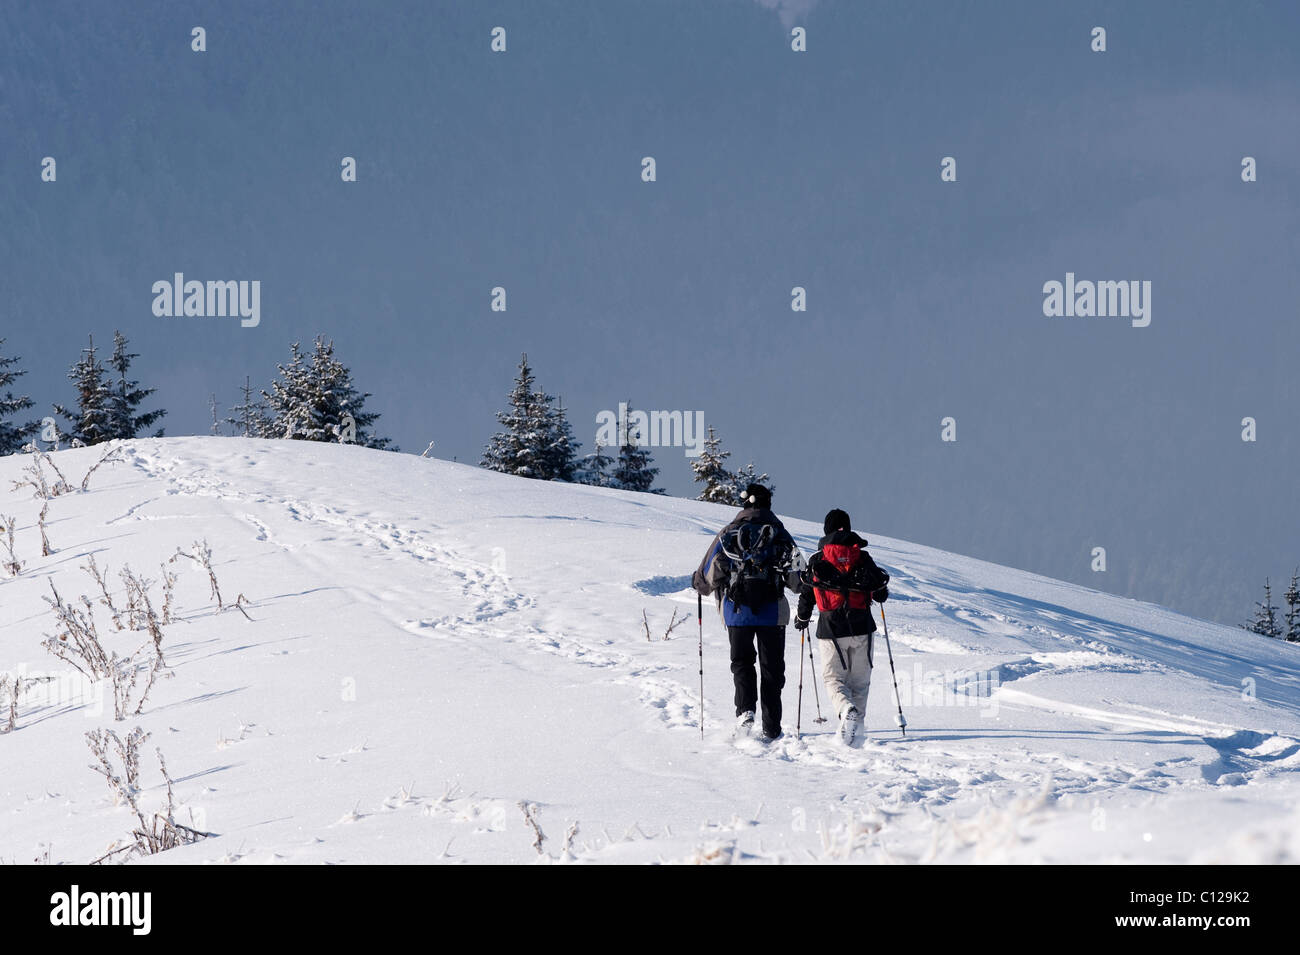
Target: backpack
{"points": [[841, 578], [755, 556]]}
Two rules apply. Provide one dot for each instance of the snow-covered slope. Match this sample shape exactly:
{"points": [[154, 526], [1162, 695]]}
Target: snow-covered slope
{"points": [[432, 645]]}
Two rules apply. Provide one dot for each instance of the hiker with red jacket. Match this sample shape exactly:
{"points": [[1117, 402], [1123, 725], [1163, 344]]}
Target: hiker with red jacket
{"points": [[843, 580], [749, 566]]}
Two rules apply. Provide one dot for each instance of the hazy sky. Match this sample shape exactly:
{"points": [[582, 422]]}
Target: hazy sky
{"points": [[775, 169]]}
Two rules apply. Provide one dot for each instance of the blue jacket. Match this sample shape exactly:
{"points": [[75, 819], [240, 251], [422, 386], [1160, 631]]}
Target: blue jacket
{"points": [[711, 576]]}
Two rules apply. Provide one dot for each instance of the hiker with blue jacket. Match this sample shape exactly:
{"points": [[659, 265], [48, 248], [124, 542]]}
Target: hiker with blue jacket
{"points": [[842, 580], [749, 566]]}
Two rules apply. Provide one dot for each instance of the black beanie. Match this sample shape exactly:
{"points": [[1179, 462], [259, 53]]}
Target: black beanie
{"points": [[757, 496], [836, 520]]}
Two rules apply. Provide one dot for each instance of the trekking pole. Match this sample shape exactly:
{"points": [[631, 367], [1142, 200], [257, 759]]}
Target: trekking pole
{"points": [[813, 667], [902, 721], [699, 610]]}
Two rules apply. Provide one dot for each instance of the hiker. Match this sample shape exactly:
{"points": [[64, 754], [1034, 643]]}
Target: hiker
{"points": [[843, 579], [749, 566]]}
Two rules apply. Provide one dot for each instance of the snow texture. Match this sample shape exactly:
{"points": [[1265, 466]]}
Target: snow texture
{"points": [[443, 662]]}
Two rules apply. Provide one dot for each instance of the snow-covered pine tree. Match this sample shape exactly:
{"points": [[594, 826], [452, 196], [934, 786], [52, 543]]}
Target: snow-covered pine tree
{"points": [[314, 398], [744, 478], [561, 448], [1292, 615], [536, 440], [516, 449], [248, 419], [287, 402], [126, 396], [1265, 622], [634, 471], [13, 435], [596, 469], [91, 422], [711, 471]]}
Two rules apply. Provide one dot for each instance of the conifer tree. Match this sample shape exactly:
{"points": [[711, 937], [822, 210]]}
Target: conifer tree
{"points": [[536, 440], [126, 396], [91, 421], [287, 400], [248, 419], [634, 471], [13, 435], [560, 446], [315, 400], [596, 469], [711, 471], [1292, 616], [1265, 622]]}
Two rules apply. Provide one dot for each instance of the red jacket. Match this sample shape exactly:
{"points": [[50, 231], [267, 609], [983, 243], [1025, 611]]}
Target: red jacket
{"points": [[843, 580]]}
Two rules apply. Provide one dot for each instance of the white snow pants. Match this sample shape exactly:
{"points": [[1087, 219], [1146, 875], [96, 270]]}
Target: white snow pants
{"points": [[847, 680]]}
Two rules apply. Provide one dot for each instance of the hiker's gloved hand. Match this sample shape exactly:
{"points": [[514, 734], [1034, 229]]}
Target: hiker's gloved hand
{"points": [[800, 623], [880, 594]]}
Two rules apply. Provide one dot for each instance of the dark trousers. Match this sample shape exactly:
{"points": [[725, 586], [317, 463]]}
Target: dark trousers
{"points": [[771, 665]]}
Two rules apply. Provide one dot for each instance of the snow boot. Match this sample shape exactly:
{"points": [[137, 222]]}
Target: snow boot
{"points": [[850, 724], [744, 724]]}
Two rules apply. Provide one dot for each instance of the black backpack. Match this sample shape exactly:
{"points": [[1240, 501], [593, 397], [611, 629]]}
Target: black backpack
{"points": [[756, 555]]}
